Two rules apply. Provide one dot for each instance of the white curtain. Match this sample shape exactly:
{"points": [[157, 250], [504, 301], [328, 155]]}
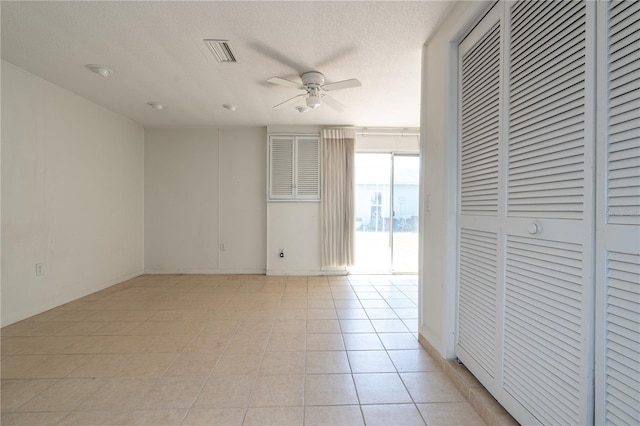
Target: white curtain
{"points": [[337, 208]]}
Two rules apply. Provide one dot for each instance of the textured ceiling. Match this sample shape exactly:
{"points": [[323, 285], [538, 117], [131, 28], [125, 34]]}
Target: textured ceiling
{"points": [[157, 54]]}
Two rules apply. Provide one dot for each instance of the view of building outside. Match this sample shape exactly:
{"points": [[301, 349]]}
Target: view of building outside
{"points": [[378, 220]]}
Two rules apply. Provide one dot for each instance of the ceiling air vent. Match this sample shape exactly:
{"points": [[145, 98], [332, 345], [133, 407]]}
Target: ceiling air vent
{"points": [[221, 50]]}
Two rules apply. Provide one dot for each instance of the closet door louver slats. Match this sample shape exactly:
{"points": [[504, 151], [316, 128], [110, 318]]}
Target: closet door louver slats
{"points": [[477, 317], [623, 339], [480, 126], [543, 327], [623, 195], [546, 121], [620, 374]]}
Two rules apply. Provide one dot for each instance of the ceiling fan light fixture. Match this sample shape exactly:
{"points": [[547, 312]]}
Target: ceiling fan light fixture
{"points": [[313, 102]]}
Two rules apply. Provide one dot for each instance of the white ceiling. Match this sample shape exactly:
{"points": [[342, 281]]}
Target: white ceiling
{"points": [[157, 54]]}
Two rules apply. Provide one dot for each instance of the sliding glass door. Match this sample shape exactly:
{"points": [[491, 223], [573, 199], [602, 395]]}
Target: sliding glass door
{"points": [[386, 213], [373, 207], [404, 243]]}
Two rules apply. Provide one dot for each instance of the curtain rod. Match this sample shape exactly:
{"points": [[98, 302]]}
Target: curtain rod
{"points": [[369, 133], [383, 131]]}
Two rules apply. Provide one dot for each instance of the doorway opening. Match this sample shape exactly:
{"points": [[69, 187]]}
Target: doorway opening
{"points": [[387, 212]]}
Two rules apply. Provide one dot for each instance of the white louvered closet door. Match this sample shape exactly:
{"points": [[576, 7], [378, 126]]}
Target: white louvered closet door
{"points": [[549, 225], [618, 275], [480, 59], [525, 268]]}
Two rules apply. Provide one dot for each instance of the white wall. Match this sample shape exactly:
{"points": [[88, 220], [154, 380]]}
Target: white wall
{"points": [[243, 199], [204, 188], [72, 191], [439, 176], [181, 200], [294, 228]]}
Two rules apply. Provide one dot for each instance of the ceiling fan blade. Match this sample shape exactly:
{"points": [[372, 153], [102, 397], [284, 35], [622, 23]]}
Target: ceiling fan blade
{"points": [[289, 102], [285, 82], [344, 84], [333, 103]]}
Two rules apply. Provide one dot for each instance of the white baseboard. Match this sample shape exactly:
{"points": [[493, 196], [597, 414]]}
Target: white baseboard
{"points": [[205, 271], [289, 273]]}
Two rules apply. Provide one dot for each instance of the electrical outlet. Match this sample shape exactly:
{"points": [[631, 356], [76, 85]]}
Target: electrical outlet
{"points": [[39, 269], [222, 247]]}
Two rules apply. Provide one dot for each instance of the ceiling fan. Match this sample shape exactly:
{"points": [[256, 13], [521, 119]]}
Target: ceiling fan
{"points": [[315, 88]]}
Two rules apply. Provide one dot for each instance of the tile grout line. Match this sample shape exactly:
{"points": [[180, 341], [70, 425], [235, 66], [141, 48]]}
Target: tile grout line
{"points": [[363, 288], [353, 380], [206, 380]]}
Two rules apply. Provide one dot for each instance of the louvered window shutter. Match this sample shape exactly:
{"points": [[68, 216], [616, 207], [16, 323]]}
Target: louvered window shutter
{"points": [[294, 168], [618, 363], [281, 168], [308, 168]]}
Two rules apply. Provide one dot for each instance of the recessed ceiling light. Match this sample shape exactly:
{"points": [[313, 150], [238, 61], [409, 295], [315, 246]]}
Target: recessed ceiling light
{"points": [[156, 105], [230, 107], [101, 70]]}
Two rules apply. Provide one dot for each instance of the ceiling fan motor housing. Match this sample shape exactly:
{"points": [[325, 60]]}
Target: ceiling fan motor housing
{"points": [[312, 78], [313, 81]]}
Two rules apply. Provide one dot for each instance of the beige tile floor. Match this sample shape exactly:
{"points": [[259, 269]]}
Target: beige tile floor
{"points": [[229, 350]]}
